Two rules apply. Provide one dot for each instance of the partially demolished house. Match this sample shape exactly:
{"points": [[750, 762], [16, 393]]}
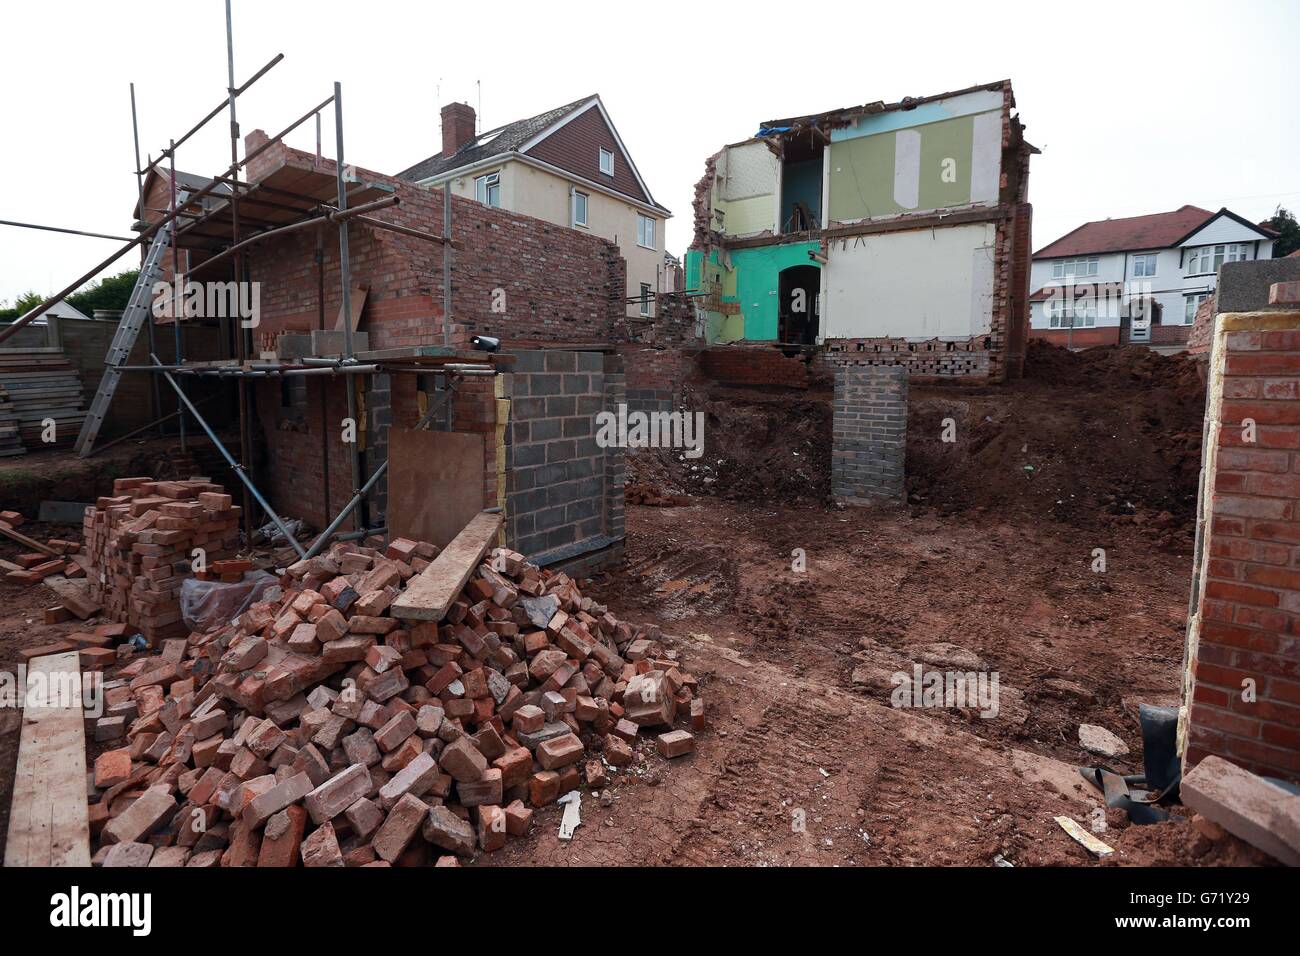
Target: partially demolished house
{"points": [[897, 234]]}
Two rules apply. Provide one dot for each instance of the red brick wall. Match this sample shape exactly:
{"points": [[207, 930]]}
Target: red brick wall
{"points": [[751, 365], [657, 375], [1249, 603], [1078, 338], [560, 285]]}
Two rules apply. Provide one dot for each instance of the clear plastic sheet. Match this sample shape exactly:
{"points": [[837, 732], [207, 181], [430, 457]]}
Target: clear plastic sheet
{"points": [[207, 605]]}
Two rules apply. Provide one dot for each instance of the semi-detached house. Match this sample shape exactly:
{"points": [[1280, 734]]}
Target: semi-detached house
{"points": [[1138, 279], [567, 166]]}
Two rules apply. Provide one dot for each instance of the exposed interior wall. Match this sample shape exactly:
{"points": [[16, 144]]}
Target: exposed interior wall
{"points": [[741, 287], [885, 285], [939, 155], [801, 182], [747, 179]]}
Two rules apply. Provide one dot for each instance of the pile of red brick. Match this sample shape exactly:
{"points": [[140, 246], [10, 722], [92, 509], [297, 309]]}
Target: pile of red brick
{"points": [[140, 547], [317, 728]]}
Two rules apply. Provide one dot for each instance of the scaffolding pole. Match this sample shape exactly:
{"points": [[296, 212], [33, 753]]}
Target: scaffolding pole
{"points": [[345, 279], [235, 466]]}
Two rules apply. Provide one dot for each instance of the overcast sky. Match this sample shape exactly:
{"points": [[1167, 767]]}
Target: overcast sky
{"points": [[1137, 107]]}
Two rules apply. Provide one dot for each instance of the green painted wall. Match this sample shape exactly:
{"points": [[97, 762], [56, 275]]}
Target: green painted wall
{"points": [[862, 171], [757, 272], [751, 282]]}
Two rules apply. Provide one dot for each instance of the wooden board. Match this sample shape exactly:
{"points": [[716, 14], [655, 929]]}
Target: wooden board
{"points": [[48, 820], [435, 483], [430, 593], [27, 542], [358, 302]]}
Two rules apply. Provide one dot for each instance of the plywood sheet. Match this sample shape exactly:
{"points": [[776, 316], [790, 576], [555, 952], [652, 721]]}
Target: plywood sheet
{"points": [[435, 483]]}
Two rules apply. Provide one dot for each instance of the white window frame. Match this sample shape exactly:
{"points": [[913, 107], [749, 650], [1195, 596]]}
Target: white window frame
{"points": [[483, 189], [1190, 304], [645, 229], [1205, 260], [1061, 315], [1145, 265], [573, 207], [647, 297], [1072, 268], [603, 154]]}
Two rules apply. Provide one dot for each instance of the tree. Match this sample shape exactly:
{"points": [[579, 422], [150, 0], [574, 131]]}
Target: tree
{"points": [[111, 293], [22, 305], [1284, 223]]}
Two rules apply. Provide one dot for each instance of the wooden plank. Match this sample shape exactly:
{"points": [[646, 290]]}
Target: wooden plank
{"points": [[22, 539], [358, 302], [48, 820], [430, 593], [435, 483]]}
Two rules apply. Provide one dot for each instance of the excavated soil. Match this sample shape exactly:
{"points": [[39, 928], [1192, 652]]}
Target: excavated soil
{"points": [[1100, 438]]}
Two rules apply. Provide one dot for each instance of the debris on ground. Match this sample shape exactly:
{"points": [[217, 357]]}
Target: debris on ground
{"points": [[318, 726], [1248, 806], [1096, 847], [645, 493], [1099, 740]]}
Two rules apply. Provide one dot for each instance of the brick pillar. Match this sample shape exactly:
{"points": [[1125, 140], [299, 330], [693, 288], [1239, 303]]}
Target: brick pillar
{"points": [[870, 433], [1241, 686]]}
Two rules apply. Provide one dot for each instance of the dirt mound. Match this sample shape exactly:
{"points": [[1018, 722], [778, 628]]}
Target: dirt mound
{"points": [[1108, 436], [1105, 436], [757, 447]]}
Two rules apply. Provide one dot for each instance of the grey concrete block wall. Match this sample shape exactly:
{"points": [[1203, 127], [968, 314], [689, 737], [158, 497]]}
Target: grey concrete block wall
{"points": [[869, 441], [561, 502]]}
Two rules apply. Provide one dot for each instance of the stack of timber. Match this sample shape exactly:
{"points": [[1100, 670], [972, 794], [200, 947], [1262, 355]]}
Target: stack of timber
{"points": [[42, 385], [10, 441]]}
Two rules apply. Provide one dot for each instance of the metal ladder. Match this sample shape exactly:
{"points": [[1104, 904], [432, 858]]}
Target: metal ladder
{"points": [[133, 319]]}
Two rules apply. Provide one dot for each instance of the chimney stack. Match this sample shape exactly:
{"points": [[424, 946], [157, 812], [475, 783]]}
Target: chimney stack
{"points": [[457, 127]]}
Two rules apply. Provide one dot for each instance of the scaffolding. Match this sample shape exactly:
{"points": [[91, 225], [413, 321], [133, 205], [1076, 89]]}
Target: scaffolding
{"points": [[226, 216]]}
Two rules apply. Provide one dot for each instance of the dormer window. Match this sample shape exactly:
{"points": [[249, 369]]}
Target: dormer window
{"points": [[607, 161]]}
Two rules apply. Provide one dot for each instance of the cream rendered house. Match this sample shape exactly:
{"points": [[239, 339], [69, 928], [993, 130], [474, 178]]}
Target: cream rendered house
{"points": [[567, 166]]}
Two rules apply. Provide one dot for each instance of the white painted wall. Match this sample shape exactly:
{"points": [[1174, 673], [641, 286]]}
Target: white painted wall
{"points": [[915, 285]]}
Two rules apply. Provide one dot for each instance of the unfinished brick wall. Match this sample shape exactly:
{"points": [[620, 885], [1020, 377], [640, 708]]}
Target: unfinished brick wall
{"points": [[1242, 676], [558, 284], [561, 500], [933, 360], [655, 376], [757, 364], [870, 433]]}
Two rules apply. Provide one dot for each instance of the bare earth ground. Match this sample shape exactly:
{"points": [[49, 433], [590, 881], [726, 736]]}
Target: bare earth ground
{"points": [[776, 652], [989, 569]]}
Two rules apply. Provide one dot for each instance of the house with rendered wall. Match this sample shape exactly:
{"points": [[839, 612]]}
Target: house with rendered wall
{"points": [[568, 166], [891, 234], [1137, 280]]}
